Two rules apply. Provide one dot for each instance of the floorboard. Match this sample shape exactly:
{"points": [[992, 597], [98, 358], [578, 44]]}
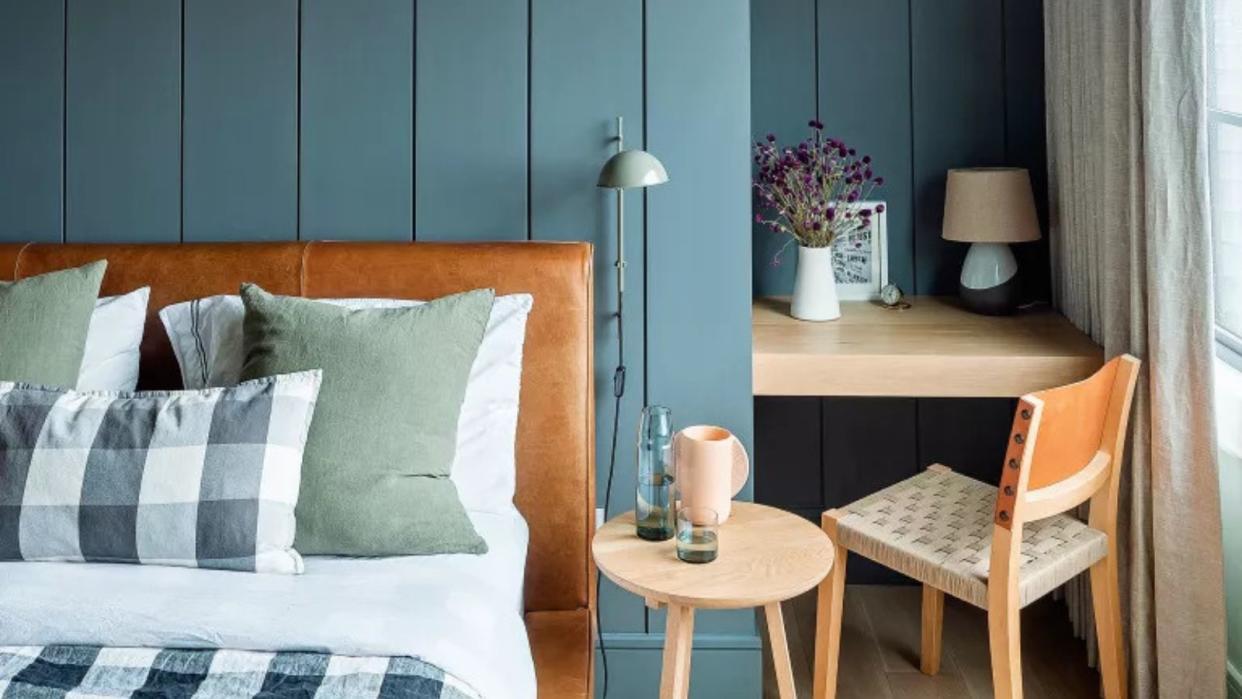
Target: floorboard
{"points": [[880, 649]]}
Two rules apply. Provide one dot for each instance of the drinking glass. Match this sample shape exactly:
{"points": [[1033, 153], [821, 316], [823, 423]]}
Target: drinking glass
{"points": [[654, 505], [698, 534]]}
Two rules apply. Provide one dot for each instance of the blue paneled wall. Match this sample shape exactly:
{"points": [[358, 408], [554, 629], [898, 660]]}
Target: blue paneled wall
{"points": [[922, 86], [198, 120]]}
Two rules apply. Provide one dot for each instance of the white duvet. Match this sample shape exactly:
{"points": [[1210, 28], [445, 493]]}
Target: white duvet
{"points": [[461, 613]]}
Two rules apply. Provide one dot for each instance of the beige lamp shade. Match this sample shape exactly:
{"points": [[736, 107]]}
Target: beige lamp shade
{"points": [[990, 205]]}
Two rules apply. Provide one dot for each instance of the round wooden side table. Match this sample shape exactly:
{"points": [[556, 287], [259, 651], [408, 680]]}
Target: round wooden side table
{"points": [[766, 556]]}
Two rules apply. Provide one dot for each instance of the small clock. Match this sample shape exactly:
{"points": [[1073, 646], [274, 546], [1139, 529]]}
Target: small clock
{"points": [[891, 297]]}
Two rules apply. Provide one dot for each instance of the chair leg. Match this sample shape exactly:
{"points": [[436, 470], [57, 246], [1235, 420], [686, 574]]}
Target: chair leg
{"points": [[828, 617], [933, 629], [1105, 600], [1005, 640]]}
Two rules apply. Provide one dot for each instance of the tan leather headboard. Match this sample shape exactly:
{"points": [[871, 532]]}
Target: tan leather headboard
{"points": [[555, 442]]}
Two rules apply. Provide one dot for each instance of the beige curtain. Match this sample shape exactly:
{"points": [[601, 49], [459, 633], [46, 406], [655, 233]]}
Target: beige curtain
{"points": [[1131, 245]]}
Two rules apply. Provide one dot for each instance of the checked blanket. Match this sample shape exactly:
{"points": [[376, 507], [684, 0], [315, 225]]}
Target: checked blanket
{"points": [[85, 672]]}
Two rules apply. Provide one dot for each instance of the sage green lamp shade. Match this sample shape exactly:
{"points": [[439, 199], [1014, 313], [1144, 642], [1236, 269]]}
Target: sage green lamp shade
{"points": [[632, 168]]}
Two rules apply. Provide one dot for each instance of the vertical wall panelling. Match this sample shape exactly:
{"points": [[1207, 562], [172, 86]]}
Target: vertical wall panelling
{"points": [[713, 670], [921, 85], [32, 71], [240, 133], [471, 156], [123, 121], [698, 256], [783, 90], [357, 120], [586, 69], [869, 443], [866, 446], [787, 436], [968, 435], [698, 285], [864, 99], [957, 64], [1025, 144]]}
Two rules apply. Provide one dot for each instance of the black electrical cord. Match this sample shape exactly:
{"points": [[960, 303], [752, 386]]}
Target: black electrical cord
{"points": [[618, 390]]}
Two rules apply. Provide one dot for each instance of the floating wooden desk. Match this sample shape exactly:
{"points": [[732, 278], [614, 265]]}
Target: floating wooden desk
{"points": [[933, 349]]}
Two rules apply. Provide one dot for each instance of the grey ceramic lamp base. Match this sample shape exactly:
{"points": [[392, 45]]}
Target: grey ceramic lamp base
{"points": [[989, 282]]}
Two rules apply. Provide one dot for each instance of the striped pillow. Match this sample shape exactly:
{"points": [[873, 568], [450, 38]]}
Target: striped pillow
{"points": [[206, 478]]}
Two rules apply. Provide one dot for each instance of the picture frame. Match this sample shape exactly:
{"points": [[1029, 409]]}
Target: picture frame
{"points": [[860, 259]]}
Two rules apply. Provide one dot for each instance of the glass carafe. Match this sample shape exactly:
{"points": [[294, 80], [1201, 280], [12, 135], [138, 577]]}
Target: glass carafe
{"points": [[654, 509]]}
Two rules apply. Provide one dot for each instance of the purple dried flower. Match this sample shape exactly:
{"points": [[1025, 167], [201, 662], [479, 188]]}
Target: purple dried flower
{"points": [[879, 181], [809, 189], [879, 208]]}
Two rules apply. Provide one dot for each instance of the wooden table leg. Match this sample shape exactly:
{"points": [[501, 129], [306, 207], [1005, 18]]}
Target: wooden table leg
{"points": [[780, 650], [678, 641]]}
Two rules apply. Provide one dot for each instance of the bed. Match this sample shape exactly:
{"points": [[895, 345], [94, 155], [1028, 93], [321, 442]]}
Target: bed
{"points": [[513, 622]]}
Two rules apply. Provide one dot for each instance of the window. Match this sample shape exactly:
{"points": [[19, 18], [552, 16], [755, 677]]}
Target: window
{"points": [[1225, 168]]}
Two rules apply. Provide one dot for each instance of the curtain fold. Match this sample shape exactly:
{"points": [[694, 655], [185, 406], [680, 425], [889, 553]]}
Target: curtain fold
{"points": [[1131, 247]]}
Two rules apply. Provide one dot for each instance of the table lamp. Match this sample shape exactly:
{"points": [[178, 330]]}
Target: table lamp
{"points": [[989, 208]]}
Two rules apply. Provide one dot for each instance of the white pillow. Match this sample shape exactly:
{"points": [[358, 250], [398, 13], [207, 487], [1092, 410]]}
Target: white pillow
{"points": [[206, 336], [110, 358]]}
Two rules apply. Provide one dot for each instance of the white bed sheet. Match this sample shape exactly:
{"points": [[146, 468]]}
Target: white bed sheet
{"points": [[462, 613]]}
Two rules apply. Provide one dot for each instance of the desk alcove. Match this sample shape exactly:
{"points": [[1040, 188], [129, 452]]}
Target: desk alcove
{"points": [[846, 407]]}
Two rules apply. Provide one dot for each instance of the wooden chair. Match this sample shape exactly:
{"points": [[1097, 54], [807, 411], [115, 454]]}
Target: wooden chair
{"points": [[1001, 549]]}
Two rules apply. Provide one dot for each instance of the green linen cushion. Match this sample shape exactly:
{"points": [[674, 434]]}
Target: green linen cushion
{"points": [[375, 475], [43, 324]]}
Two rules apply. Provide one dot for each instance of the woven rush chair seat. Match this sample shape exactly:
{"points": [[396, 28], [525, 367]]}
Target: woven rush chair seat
{"points": [[936, 527]]}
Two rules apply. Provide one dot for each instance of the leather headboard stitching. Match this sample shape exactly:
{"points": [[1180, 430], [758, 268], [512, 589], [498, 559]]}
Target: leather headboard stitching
{"points": [[555, 446], [17, 261], [302, 268]]}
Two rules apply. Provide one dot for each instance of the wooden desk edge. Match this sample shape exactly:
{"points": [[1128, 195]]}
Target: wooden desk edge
{"points": [[883, 372], [926, 376]]}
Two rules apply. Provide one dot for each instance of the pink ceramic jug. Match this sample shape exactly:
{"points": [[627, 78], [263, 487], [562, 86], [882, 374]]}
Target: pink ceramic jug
{"points": [[711, 467]]}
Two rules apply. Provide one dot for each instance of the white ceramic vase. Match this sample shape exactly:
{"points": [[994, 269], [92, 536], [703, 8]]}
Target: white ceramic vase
{"points": [[815, 286]]}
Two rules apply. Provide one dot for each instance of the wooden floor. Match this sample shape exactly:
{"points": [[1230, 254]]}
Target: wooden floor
{"points": [[880, 649]]}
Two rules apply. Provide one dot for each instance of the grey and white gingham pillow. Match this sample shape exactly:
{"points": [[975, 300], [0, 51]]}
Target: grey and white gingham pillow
{"points": [[206, 478]]}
